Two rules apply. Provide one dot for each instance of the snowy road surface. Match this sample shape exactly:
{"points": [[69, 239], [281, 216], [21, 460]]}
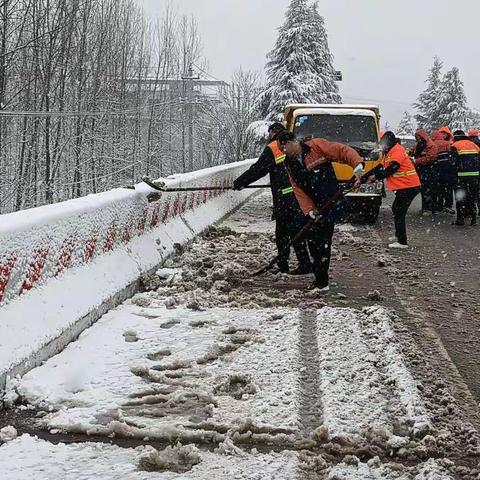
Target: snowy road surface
{"points": [[246, 378]]}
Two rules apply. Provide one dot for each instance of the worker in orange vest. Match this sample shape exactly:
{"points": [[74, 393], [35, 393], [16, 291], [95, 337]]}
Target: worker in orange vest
{"points": [[312, 175], [424, 153], [446, 172], [286, 211], [474, 136], [399, 172], [466, 156]]}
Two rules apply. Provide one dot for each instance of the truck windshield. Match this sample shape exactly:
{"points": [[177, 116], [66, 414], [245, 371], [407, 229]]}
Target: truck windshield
{"points": [[349, 129]]}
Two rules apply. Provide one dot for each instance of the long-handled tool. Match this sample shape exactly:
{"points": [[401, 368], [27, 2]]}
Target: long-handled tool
{"points": [[161, 187], [302, 234]]}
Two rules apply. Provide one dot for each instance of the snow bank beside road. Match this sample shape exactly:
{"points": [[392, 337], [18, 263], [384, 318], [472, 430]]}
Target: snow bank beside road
{"points": [[29, 457], [167, 370], [59, 263]]}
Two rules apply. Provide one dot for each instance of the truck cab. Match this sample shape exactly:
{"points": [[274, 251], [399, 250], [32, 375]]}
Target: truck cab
{"points": [[353, 125]]}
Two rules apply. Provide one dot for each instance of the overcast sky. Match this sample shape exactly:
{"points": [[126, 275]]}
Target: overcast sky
{"points": [[383, 47]]}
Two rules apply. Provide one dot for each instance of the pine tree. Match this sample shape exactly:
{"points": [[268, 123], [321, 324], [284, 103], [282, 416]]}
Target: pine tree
{"points": [[427, 103], [452, 103], [294, 65], [406, 126], [386, 126], [328, 91], [474, 118]]}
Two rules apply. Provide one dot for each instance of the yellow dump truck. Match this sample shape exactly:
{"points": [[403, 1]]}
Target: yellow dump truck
{"points": [[355, 125]]}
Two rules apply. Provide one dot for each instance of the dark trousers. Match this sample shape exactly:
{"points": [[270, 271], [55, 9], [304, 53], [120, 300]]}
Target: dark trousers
{"points": [[447, 182], [285, 229], [427, 190], [447, 196], [401, 204], [320, 246], [467, 197], [436, 189]]}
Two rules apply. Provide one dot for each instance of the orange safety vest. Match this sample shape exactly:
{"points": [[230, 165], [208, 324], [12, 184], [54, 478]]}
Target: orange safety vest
{"points": [[277, 153], [468, 158], [280, 158], [406, 176]]}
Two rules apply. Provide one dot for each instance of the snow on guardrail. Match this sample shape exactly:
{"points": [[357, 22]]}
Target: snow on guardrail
{"points": [[60, 262], [42, 243]]}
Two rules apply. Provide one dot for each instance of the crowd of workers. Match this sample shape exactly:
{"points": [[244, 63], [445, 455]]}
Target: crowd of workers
{"points": [[442, 167], [448, 165]]}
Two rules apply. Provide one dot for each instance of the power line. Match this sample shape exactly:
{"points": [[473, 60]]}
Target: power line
{"points": [[377, 100]]}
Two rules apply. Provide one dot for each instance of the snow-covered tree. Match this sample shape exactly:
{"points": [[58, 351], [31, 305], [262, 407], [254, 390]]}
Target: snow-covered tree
{"points": [[328, 91], [299, 66], [427, 103], [406, 125], [452, 103], [386, 126], [474, 118]]}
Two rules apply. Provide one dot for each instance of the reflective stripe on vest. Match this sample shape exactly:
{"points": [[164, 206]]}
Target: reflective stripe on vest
{"points": [[467, 152], [468, 174], [279, 156], [405, 174]]}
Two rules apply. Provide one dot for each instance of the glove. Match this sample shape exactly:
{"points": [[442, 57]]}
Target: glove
{"points": [[358, 170], [237, 187], [313, 214]]}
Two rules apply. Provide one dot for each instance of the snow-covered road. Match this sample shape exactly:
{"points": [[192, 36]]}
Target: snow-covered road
{"points": [[257, 379]]}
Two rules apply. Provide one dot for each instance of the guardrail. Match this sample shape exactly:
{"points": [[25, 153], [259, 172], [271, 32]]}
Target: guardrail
{"points": [[70, 262]]}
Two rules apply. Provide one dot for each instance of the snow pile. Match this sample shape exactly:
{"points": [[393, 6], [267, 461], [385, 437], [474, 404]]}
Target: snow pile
{"points": [[217, 268], [178, 459], [29, 457], [374, 469], [62, 261], [8, 433]]}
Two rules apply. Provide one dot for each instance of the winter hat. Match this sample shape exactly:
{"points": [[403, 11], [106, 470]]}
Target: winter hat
{"points": [[388, 140], [459, 134], [276, 127]]}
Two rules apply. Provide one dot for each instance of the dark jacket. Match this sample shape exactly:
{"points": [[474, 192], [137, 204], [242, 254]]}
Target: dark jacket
{"points": [[284, 201], [466, 156], [313, 177], [424, 151]]}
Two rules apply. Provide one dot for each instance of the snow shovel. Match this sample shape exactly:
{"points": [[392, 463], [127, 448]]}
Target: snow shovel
{"points": [[302, 234], [161, 187]]}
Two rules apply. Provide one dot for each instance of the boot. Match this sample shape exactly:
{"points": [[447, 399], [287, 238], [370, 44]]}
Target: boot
{"points": [[301, 271], [282, 267], [459, 222], [321, 288]]}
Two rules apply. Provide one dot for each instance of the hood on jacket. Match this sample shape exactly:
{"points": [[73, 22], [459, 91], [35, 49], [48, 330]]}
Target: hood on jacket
{"points": [[422, 134], [447, 131], [437, 135]]}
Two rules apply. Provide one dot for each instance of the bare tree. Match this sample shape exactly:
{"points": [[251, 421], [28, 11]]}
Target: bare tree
{"points": [[93, 96]]}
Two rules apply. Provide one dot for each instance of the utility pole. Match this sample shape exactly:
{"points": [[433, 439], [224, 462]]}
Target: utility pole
{"points": [[188, 92]]}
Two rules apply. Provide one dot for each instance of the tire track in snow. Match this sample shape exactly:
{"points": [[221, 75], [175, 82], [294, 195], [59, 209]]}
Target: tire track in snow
{"points": [[365, 383], [310, 402]]}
